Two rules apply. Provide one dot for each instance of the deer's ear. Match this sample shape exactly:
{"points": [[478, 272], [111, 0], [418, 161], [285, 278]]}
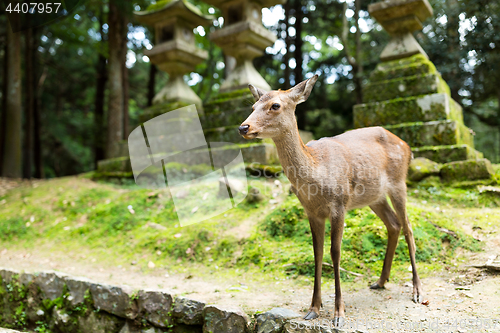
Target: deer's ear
{"points": [[301, 91], [256, 92]]}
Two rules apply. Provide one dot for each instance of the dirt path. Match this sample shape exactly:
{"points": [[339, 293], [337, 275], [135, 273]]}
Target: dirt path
{"points": [[372, 310]]}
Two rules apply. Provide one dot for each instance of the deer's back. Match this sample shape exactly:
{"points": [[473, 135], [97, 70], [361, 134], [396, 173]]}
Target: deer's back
{"points": [[371, 160]]}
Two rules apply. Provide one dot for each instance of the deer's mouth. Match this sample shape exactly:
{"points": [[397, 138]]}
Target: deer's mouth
{"points": [[250, 136]]}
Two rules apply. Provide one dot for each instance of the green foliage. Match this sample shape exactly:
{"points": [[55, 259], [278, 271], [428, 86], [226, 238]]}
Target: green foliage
{"points": [[14, 227]]}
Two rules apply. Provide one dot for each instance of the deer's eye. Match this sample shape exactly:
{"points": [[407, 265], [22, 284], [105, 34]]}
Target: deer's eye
{"points": [[275, 106]]}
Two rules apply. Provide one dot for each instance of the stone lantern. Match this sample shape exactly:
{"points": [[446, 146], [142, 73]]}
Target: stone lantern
{"points": [[175, 51], [400, 18], [244, 38]]}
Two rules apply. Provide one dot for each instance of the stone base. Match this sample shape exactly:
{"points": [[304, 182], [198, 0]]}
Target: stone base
{"points": [[262, 153], [433, 133], [467, 170], [407, 110], [446, 154]]}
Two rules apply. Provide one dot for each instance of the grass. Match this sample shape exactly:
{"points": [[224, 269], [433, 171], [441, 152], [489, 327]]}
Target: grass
{"points": [[77, 215]]}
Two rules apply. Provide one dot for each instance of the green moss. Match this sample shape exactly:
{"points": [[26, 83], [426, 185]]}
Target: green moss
{"points": [[416, 85], [434, 133], [446, 154], [467, 170], [404, 110]]}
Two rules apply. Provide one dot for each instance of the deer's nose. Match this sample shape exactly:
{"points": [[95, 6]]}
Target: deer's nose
{"points": [[243, 129]]}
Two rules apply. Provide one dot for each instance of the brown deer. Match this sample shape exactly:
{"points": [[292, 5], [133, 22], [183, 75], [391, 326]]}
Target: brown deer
{"points": [[333, 175]]}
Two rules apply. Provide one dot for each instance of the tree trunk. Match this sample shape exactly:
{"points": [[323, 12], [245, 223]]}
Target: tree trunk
{"points": [[358, 71], [30, 102], [102, 77], [299, 15], [152, 83], [39, 173], [125, 84], [286, 56], [13, 109], [115, 106], [3, 112]]}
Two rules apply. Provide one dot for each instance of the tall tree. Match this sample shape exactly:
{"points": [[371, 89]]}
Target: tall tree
{"points": [[101, 78], [116, 35], [30, 104], [13, 110]]}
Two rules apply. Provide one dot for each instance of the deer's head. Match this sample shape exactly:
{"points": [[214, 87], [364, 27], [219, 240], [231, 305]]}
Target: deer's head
{"points": [[274, 112]]}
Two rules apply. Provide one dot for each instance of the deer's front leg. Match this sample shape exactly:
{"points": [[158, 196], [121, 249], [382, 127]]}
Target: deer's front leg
{"points": [[318, 235], [337, 221]]}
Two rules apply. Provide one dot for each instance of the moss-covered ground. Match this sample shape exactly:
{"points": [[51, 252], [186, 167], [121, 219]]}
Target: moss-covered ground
{"points": [[119, 222]]}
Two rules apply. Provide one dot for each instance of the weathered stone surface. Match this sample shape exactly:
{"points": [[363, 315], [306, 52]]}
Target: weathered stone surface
{"points": [[433, 133], [188, 311], [134, 328], [415, 65], [26, 278], [60, 321], [5, 330], [467, 170], [446, 154], [273, 321], [114, 300], [77, 287], [254, 195], [405, 87], [115, 164], [421, 168], [156, 307], [51, 284], [99, 322], [220, 319], [407, 110], [7, 275]]}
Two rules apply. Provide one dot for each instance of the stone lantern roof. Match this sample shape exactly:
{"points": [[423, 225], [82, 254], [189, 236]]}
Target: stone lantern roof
{"points": [[164, 10]]}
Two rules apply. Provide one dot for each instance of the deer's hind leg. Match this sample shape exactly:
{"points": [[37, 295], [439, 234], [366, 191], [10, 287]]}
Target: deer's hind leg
{"points": [[388, 216], [398, 199]]}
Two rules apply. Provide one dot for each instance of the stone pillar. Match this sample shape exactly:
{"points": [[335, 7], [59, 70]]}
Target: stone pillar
{"points": [[175, 51], [408, 96], [244, 38]]}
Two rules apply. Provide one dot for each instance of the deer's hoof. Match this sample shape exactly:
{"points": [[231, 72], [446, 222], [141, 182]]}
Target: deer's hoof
{"points": [[376, 286], [311, 315], [418, 298], [338, 322]]}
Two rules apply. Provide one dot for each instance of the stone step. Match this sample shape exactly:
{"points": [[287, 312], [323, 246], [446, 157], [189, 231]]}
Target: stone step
{"points": [[242, 98], [407, 110], [467, 170], [262, 153], [414, 65], [433, 133], [446, 154], [226, 118], [226, 134], [415, 85]]}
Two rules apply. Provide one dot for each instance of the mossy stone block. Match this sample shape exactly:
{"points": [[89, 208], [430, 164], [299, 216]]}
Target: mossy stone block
{"points": [[405, 87], [242, 98], [467, 170], [421, 168], [418, 65], [115, 164], [433, 133], [226, 117], [406, 110], [446, 154], [159, 109], [227, 134]]}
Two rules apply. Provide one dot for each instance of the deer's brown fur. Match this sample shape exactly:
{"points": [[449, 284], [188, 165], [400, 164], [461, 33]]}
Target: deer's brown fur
{"points": [[333, 175]]}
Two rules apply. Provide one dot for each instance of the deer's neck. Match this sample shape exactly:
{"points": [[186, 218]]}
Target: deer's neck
{"points": [[293, 154]]}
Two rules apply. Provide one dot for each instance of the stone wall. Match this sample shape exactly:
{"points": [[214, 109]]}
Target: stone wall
{"points": [[54, 302]]}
